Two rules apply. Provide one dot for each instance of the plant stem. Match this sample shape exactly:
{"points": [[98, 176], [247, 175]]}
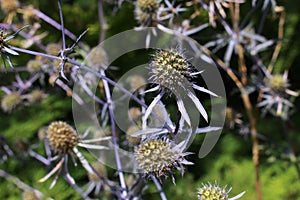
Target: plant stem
{"points": [[114, 137]]}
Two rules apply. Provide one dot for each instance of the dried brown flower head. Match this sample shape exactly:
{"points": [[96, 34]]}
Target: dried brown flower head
{"points": [[62, 137]]}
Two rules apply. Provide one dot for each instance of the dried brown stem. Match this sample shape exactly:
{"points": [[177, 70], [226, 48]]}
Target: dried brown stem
{"points": [[281, 13]]}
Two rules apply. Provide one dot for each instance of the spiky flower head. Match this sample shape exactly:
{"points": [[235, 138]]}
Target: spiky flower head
{"points": [[36, 96], [170, 69], [137, 82], [159, 157], [53, 49], [10, 101], [62, 137], [34, 65], [133, 140], [98, 58], [146, 12], [9, 5], [278, 83], [212, 192]]}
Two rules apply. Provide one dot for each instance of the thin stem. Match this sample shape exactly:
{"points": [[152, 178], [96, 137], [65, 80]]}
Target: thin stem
{"points": [[62, 26], [101, 21], [57, 26], [159, 188], [248, 15], [280, 37], [263, 18], [20, 184], [114, 137]]}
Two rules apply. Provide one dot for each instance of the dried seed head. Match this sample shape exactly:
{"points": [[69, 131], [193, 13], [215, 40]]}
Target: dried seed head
{"points": [[132, 140], [34, 65], [9, 5], [36, 96], [146, 12], [156, 157], [62, 137], [170, 69], [98, 58], [278, 83], [212, 192], [10, 101], [53, 49], [100, 168]]}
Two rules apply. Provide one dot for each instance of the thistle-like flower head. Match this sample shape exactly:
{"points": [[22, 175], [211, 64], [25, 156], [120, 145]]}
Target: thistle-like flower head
{"points": [[215, 192], [170, 69], [146, 12], [278, 83], [277, 96], [212, 192], [62, 137], [10, 101], [98, 58], [159, 157]]}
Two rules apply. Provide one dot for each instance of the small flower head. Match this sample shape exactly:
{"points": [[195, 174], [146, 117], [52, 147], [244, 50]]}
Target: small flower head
{"points": [[278, 83], [133, 140], [34, 65], [277, 96], [137, 82], [62, 137], [98, 58], [215, 192], [53, 49], [212, 192], [10, 101], [170, 69], [146, 12], [9, 5], [159, 157], [36, 96]]}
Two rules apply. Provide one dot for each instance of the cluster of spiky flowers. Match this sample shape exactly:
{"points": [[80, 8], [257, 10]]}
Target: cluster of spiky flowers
{"points": [[215, 192], [146, 12], [159, 157], [276, 96], [64, 140]]}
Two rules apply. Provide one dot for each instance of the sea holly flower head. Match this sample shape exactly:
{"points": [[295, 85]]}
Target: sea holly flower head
{"points": [[159, 157], [215, 192], [173, 73]]}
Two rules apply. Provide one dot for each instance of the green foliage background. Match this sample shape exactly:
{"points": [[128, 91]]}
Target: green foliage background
{"points": [[230, 161]]}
